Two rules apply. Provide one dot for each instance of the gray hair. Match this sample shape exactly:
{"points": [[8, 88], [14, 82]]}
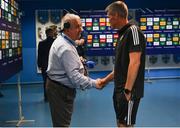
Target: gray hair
{"points": [[68, 18], [118, 7]]}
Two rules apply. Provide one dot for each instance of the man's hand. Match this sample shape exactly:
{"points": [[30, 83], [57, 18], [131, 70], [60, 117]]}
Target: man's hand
{"points": [[80, 42], [100, 83], [128, 96]]}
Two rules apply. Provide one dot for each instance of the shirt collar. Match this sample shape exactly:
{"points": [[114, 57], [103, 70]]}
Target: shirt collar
{"points": [[68, 39], [124, 28]]}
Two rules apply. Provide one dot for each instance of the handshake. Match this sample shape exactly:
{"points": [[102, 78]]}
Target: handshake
{"points": [[101, 83]]}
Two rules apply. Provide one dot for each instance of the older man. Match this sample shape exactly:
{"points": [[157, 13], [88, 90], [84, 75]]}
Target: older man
{"points": [[65, 72]]}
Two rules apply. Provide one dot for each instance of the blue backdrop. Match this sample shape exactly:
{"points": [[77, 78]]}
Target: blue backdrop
{"points": [[28, 7]]}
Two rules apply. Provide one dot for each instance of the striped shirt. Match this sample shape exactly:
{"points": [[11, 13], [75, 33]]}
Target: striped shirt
{"points": [[64, 64]]}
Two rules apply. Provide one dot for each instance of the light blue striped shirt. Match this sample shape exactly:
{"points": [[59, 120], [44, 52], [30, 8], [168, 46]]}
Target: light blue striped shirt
{"points": [[64, 64]]}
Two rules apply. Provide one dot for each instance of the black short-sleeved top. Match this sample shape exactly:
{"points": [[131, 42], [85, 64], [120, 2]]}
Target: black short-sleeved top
{"points": [[131, 39]]}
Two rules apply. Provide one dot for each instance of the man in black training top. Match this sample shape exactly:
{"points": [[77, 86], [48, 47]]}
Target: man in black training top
{"points": [[128, 73]]}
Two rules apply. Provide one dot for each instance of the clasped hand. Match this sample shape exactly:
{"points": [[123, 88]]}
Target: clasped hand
{"points": [[100, 83]]}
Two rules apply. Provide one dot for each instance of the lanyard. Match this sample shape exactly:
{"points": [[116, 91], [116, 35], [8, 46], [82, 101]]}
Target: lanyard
{"points": [[68, 39]]}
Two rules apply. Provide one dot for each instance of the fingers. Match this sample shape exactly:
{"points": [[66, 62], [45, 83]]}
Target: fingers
{"points": [[128, 96], [100, 83]]}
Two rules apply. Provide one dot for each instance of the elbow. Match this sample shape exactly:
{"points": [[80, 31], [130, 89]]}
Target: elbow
{"points": [[135, 64]]}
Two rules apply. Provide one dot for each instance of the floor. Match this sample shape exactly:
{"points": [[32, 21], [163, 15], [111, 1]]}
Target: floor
{"points": [[94, 108]]}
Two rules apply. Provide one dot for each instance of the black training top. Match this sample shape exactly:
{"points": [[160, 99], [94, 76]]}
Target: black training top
{"points": [[131, 39]]}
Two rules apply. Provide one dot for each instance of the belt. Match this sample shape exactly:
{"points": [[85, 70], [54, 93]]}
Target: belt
{"points": [[62, 85]]}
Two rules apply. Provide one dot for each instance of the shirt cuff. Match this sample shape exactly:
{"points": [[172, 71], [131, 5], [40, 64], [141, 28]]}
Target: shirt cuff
{"points": [[93, 83]]}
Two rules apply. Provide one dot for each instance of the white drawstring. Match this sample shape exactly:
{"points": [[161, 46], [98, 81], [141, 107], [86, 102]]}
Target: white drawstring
{"points": [[130, 106]]}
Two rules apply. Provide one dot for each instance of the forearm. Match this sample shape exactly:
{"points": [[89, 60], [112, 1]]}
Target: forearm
{"points": [[78, 80], [74, 70], [131, 76], [108, 78]]}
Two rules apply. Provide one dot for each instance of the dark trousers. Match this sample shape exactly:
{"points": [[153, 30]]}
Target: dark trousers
{"points": [[44, 76], [61, 99]]}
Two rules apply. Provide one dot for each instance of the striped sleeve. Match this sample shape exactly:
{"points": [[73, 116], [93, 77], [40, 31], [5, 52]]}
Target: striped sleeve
{"points": [[135, 35], [134, 40]]}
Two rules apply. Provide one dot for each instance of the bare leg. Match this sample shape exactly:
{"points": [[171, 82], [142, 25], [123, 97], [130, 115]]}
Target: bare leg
{"points": [[121, 125]]}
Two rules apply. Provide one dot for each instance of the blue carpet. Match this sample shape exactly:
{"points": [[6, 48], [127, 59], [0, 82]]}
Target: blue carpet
{"points": [[159, 107]]}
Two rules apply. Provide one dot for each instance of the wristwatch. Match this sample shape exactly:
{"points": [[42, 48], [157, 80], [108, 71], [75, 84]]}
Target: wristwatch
{"points": [[127, 91]]}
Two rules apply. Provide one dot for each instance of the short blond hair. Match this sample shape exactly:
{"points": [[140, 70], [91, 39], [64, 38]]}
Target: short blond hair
{"points": [[118, 7]]}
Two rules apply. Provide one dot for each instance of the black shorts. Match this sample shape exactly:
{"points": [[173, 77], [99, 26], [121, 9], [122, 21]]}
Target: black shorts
{"points": [[121, 108]]}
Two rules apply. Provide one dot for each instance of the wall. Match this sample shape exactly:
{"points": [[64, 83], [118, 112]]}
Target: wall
{"points": [[28, 7]]}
